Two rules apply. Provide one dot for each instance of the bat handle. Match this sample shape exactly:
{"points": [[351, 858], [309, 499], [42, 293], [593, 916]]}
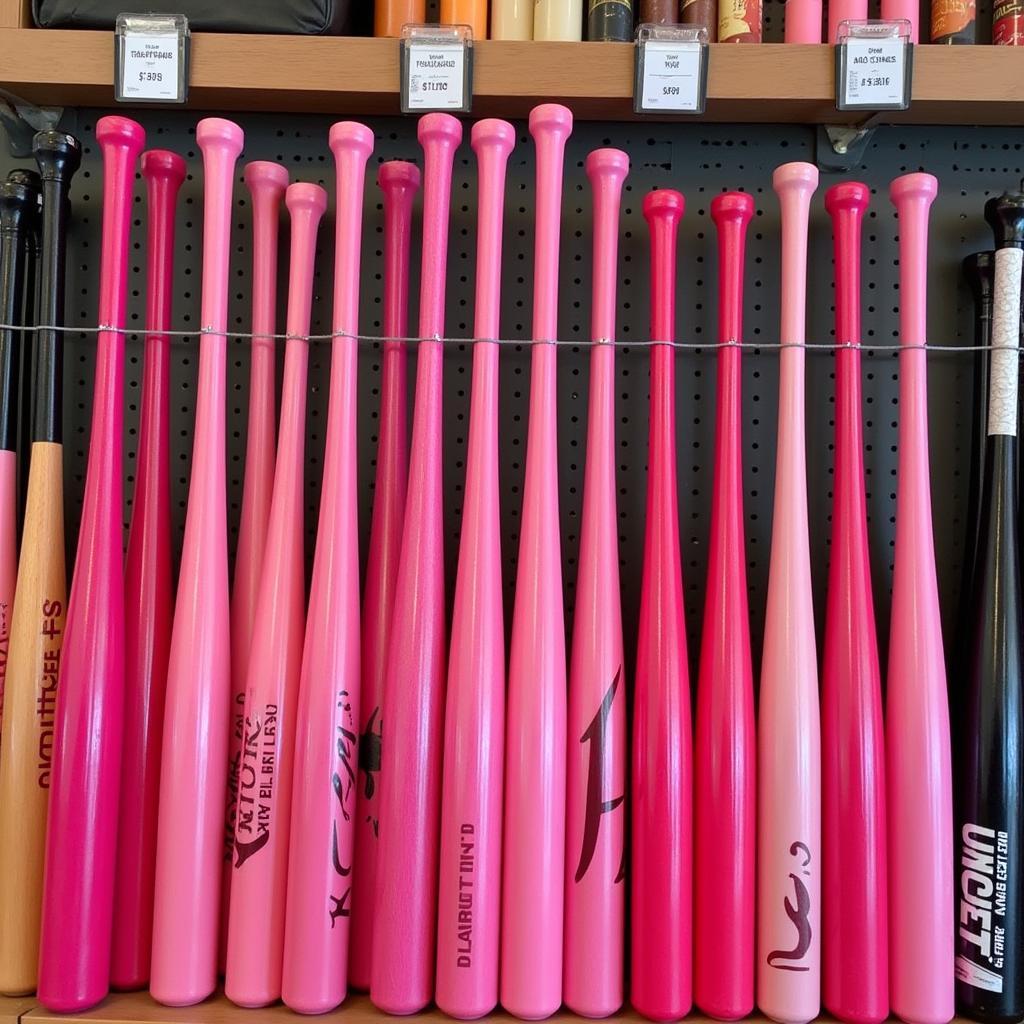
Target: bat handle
{"points": [[550, 127], [663, 210], [399, 181], [607, 170], [731, 213], [266, 182], [846, 204], [794, 184]]}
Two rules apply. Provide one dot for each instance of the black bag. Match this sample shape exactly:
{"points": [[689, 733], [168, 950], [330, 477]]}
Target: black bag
{"points": [[275, 17]]}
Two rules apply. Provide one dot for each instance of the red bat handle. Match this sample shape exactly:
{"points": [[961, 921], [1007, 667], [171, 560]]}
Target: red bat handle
{"points": [[725, 749], [148, 592], [855, 942]]}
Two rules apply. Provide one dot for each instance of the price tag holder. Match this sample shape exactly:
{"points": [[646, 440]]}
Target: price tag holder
{"points": [[151, 58], [671, 70], [874, 65], [436, 63]]}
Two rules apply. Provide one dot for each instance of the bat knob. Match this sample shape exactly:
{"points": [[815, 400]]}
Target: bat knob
{"points": [[304, 196], [847, 195], [163, 164], [551, 119], [495, 133], [664, 205], [265, 176], [797, 176], [221, 133], [1005, 215], [59, 155], [732, 207], [442, 128], [122, 133], [913, 186], [17, 204], [607, 163], [351, 136], [24, 176], [398, 175]]}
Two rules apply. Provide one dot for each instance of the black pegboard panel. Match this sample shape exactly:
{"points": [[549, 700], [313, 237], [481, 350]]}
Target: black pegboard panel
{"points": [[700, 160]]}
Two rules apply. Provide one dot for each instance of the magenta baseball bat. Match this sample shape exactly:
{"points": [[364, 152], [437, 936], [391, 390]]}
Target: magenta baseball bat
{"points": [[662, 785], [855, 941], [789, 745], [919, 773], [533, 861], [725, 743], [148, 594], [186, 910], [256, 917], [596, 782], [81, 834], [403, 938], [399, 181], [474, 731], [266, 183], [323, 797]]}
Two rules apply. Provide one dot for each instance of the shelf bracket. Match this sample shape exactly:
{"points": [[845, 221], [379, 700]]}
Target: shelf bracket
{"points": [[840, 147], [21, 120]]}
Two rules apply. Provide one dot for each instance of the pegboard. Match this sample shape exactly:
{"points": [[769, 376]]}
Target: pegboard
{"points": [[700, 160]]}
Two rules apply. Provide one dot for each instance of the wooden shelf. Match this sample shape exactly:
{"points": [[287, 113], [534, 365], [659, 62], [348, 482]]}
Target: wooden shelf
{"points": [[768, 83], [11, 1009]]}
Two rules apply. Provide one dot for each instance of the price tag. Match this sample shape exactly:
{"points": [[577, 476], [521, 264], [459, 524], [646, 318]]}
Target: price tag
{"points": [[151, 58], [437, 68], [671, 70], [873, 66]]}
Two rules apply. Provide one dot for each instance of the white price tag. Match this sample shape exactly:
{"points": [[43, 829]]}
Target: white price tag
{"points": [[875, 74], [150, 68], [436, 76], [671, 77]]}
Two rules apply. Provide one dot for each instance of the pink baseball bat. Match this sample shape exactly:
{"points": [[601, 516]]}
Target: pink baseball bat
{"points": [[399, 181], [81, 835], [894, 10], [256, 917], [725, 754], [802, 23], [920, 796], [186, 910], [403, 938], [533, 861], [843, 10], [595, 866], [315, 978], [474, 731], [789, 747], [855, 942], [662, 865], [266, 183], [148, 594]]}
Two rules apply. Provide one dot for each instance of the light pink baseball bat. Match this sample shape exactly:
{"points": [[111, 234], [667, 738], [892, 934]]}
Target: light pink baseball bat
{"points": [[404, 936], [802, 23], [920, 797], [855, 939], [256, 917], [843, 10], [533, 860], [789, 746], [323, 798], [266, 183], [894, 10], [81, 834], [474, 730], [148, 594], [595, 867], [399, 181], [662, 785], [186, 910], [725, 743]]}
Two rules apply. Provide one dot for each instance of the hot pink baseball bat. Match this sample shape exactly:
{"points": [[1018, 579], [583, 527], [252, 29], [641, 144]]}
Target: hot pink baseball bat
{"points": [[474, 731], [186, 910], [266, 183], [148, 594], [256, 917], [789, 747], [399, 181], [81, 835], [662, 788], [920, 796], [403, 938], [318, 905], [595, 867], [725, 744], [855, 941], [533, 860]]}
